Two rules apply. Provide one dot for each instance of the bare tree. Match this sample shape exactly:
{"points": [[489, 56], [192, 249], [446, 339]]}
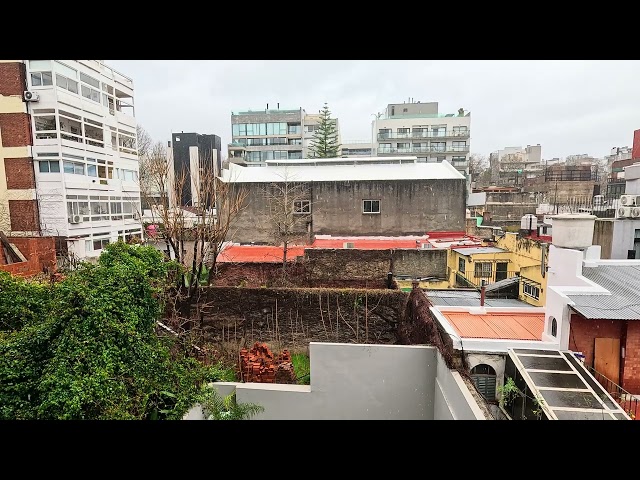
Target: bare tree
{"points": [[289, 214], [478, 167], [145, 142]]}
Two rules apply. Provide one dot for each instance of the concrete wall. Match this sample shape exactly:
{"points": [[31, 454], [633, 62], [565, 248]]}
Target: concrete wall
{"points": [[603, 235], [407, 208], [364, 382], [623, 238]]}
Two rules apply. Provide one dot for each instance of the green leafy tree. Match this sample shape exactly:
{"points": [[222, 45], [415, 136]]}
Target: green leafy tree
{"points": [[324, 143], [88, 348]]}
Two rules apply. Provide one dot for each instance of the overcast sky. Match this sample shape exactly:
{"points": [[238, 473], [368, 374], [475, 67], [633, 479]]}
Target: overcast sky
{"points": [[567, 106]]}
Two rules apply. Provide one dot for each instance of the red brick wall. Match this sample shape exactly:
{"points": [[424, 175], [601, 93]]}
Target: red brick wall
{"points": [[12, 79], [635, 152], [631, 377], [40, 253], [16, 129], [584, 332], [24, 215], [19, 173]]}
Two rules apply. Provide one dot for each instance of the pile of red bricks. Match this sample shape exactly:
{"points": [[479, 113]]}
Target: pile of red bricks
{"points": [[259, 365]]}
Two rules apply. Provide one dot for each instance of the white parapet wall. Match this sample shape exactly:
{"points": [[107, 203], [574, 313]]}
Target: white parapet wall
{"points": [[363, 382]]}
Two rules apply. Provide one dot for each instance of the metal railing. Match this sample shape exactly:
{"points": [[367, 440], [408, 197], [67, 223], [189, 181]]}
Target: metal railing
{"points": [[629, 402], [476, 278], [427, 149], [423, 134]]}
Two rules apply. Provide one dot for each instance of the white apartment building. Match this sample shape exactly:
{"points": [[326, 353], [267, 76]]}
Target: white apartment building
{"points": [[416, 128], [84, 151]]}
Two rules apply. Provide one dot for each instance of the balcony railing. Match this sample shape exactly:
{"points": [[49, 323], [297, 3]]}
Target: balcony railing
{"points": [[476, 278], [427, 149], [630, 403], [427, 134]]}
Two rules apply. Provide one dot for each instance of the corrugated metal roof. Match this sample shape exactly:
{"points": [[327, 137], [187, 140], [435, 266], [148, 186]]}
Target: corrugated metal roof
{"points": [[497, 325], [623, 281], [336, 173], [469, 298], [474, 250], [502, 283]]}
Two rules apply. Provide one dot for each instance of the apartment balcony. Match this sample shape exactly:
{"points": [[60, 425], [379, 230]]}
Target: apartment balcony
{"points": [[428, 149], [439, 134]]}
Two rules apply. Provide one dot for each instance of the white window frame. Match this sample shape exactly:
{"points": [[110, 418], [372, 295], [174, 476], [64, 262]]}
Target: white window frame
{"points": [[364, 202], [301, 207], [42, 84], [528, 290], [48, 162], [483, 272]]}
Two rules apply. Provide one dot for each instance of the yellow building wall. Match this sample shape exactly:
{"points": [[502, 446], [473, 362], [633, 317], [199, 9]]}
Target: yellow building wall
{"points": [[470, 261], [523, 255]]}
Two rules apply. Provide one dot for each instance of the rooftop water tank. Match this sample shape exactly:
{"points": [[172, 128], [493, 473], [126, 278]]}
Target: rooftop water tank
{"points": [[529, 222], [573, 230]]}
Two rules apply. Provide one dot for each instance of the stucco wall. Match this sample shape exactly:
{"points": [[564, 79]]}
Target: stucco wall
{"points": [[406, 208], [364, 382], [623, 238]]}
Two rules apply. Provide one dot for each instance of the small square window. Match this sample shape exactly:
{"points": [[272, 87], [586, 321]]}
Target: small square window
{"points": [[302, 207], [371, 206]]}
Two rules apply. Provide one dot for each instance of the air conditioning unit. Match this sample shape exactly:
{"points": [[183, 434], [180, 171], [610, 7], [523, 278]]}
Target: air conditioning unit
{"points": [[75, 219], [623, 212], [628, 200], [348, 245], [427, 245], [31, 96], [635, 212]]}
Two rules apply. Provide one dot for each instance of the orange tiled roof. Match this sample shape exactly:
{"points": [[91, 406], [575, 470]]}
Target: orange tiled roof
{"points": [[257, 254], [497, 325]]}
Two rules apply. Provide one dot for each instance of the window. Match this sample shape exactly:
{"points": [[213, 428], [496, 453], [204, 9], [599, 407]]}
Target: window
{"points": [[404, 132], [274, 128], [460, 146], [256, 141], [484, 378], [78, 208], [438, 146], [45, 123], [294, 129], [439, 131], [531, 290], [49, 166], [66, 83], [371, 206], [384, 133], [420, 147], [483, 269], [461, 264], [90, 80], [100, 244], [458, 160], [310, 128], [130, 175], [420, 132], [302, 207], [90, 93], [384, 148], [554, 327], [295, 155], [92, 170], [100, 208], [73, 167], [404, 148], [295, 141], [41, 79], [460, 131]]}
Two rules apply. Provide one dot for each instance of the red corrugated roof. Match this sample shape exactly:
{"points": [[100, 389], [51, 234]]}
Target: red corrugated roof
{"points": [[497, 325], [258, 254]]}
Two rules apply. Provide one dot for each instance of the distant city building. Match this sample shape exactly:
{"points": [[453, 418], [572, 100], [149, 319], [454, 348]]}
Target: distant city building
{"points": [[69, 165], [417, 129], [356, 149], [512, 165], [196, 156]]}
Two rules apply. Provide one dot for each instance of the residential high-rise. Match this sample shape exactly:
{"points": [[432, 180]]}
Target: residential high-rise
{"points": [[511, 165], [261, 135], [69, 153], [195, 156], [416, 128]]}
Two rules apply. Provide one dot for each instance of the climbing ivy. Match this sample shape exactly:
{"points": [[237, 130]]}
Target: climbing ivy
{"points": [[86, 347]]}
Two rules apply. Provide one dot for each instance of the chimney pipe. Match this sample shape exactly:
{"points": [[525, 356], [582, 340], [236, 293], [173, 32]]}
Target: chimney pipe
{"points": [[482, 295], [389, 279], [278, 105], [267, 106]]}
